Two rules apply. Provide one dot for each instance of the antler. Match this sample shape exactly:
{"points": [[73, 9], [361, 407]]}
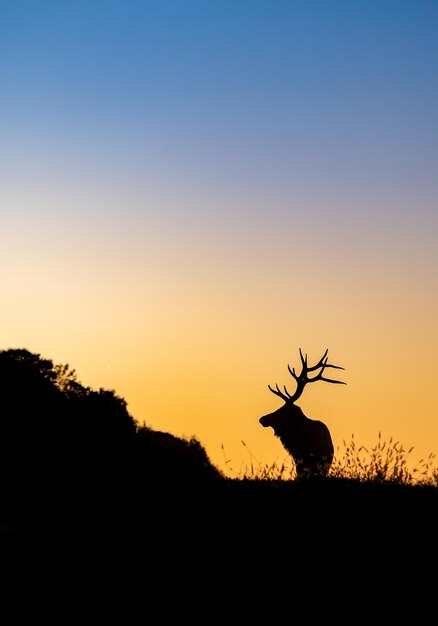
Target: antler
{"points": [[302, 378]]}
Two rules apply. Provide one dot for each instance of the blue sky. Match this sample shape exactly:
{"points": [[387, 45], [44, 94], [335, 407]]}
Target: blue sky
{"points": [[221, 90]]}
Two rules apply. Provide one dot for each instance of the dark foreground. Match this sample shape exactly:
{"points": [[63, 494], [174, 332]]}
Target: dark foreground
{"points": [[173, 512], [234, 550]]}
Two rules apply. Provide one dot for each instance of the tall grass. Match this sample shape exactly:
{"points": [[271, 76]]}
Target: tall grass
{"points": [[255, 469], [386, 461]]}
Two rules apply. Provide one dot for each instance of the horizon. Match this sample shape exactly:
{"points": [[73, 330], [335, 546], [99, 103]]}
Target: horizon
{"points": [[192, 193]]}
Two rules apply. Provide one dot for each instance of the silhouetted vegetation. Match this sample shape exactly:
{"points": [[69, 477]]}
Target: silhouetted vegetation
{"points": [[65, 446], [385, 462]]}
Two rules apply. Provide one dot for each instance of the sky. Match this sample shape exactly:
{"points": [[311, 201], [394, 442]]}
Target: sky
{"points": [[192, 191]]}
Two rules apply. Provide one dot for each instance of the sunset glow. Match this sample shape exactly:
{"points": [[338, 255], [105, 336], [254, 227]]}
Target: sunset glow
{"points": [[190, 192]]}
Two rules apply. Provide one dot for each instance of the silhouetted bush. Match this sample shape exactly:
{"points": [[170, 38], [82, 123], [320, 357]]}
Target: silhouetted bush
{"points": [[162, 456], [64, 445]]}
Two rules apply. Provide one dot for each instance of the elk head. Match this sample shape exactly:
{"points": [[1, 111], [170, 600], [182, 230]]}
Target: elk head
{"points": [[307, 441]]}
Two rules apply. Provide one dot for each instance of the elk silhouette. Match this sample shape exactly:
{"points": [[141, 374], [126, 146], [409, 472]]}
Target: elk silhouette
{"points": [[307, 441]]}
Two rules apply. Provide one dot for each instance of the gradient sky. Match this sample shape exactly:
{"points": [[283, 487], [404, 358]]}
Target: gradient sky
{"points": [[190, 191]]}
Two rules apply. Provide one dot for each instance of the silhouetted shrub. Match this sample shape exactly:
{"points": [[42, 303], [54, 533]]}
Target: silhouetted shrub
{"points": [[63, 444], [163, 456]]}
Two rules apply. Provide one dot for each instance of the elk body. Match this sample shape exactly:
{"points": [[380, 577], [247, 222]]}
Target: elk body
{"points": [[307, 441]]}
